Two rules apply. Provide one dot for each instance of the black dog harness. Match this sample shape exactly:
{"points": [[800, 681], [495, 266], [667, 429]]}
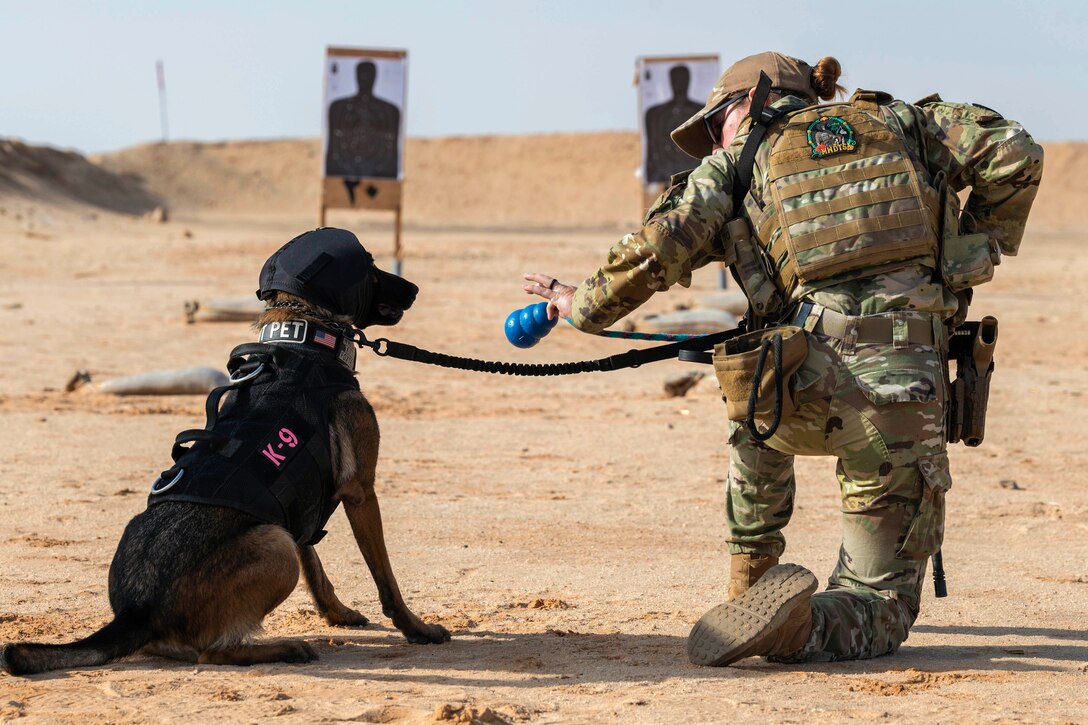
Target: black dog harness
{"points": [[265, 448]]}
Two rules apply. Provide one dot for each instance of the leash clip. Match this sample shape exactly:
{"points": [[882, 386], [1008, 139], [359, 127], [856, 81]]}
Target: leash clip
{"points": [[379, 346], [355, 335]]}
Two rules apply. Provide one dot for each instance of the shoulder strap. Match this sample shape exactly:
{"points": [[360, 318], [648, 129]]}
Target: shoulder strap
{"points": [[761, 118]]}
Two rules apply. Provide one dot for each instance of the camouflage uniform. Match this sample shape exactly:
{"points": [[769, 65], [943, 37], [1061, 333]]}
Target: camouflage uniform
{"points": [[877, 407]]}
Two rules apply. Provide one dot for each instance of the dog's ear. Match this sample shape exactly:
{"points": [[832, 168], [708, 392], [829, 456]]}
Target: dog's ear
{"points": [[390, 297], [326, 267]]}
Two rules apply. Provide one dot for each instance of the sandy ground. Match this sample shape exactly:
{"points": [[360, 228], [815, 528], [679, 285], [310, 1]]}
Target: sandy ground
{"points": [[567, 531]]}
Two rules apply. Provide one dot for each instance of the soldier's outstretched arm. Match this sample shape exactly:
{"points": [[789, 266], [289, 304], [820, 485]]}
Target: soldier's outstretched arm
{"points": [[995, 156], [681, 234]]}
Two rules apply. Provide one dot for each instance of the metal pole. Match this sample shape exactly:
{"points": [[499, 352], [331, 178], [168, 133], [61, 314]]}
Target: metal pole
{"points": [[162, 99], [398, 256]]}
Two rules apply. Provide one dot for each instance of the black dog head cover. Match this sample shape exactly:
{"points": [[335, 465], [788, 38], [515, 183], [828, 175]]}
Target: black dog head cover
{"points": [[329, 267]]}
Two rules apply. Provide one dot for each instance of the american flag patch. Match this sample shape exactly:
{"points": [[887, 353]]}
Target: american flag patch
{"points": [[324, 338]]}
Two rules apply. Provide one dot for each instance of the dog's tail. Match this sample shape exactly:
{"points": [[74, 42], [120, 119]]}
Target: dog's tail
{"points": [[128, 632]]}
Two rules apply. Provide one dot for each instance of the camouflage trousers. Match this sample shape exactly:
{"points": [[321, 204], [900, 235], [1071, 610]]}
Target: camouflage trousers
{"points": [[879, 408]]}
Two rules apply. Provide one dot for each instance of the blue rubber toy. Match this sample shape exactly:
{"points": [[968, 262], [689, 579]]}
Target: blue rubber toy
{"points": [[527, 326]]}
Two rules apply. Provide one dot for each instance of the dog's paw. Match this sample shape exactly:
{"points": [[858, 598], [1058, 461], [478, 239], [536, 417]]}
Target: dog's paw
{"points": [[300, 653], [428, 634], [346, 618]]}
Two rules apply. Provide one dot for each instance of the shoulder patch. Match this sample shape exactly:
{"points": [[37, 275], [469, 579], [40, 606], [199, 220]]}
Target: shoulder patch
{"points": [[987, 108], [680, 177], [830, 135]]}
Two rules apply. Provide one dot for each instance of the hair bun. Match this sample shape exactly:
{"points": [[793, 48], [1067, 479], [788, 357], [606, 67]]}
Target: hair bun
{"points": [[825, 76]]}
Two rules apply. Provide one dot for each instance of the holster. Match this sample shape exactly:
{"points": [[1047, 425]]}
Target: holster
{"points": [[971, 347]]}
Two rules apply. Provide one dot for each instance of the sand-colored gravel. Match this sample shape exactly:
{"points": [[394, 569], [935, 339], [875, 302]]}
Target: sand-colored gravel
{"points": [[567, 531]]}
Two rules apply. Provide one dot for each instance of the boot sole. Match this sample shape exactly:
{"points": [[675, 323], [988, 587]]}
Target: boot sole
{"points": [[730, 631]]}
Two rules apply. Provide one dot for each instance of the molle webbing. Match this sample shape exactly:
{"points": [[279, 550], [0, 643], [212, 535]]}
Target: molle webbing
{"points": [[767, 223], [857, 227], [845, 211], [844, 203], [898, 165]]}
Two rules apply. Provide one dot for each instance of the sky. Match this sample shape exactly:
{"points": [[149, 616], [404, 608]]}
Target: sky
{"points": [[81, 75]]}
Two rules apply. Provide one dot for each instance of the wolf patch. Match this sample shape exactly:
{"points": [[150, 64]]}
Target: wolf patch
{"points": [[830, 135]]}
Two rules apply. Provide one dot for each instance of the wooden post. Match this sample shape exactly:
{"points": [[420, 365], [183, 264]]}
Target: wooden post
{"points": [[398, 257]]}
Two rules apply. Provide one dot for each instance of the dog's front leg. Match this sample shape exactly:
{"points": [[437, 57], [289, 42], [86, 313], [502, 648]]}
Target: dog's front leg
{"points": [[361, 506], [328, 604]]}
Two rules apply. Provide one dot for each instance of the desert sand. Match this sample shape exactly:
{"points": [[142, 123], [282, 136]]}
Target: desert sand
{"points": [[568, 531]]}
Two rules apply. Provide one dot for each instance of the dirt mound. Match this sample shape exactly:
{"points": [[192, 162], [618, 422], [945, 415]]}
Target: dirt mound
{"points": [[555, 180], [1064, 188], [43, 174], [228, 177], [563, 181]]}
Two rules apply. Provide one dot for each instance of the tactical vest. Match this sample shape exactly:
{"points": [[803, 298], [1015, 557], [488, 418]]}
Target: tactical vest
{"points": [[844, 199], [265, 448]]}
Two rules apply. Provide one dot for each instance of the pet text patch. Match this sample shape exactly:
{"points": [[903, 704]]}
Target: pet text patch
{"points": [[288, 331]]}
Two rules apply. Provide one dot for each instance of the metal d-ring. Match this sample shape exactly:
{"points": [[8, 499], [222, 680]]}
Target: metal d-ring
{"points": [[248, 376], [157, 491]]}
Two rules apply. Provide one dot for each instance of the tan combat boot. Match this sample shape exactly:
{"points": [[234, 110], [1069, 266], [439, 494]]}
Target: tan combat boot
{"points": [[773, 618], [745, 570]]}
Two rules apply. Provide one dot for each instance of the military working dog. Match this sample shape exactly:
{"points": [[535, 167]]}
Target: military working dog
{"points": [[292, 437]]}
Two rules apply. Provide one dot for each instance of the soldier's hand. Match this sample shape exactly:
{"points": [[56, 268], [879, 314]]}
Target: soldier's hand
{"points": [[560, 296]]}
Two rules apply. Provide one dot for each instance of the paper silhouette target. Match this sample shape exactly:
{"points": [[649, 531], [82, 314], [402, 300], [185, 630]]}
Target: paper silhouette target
{"points": [[671, 90], [364, 114]]}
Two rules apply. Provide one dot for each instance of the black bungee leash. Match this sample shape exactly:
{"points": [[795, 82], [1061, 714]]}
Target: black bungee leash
{"points": [[774, 345], [689, 348], [384, 347]]}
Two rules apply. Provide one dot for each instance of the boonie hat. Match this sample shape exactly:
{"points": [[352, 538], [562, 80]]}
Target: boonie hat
{"points": [[329, 267], [786, 73]]}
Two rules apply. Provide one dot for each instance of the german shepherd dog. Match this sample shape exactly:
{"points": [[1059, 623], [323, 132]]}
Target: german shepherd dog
{"points": [[193, 579]]}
